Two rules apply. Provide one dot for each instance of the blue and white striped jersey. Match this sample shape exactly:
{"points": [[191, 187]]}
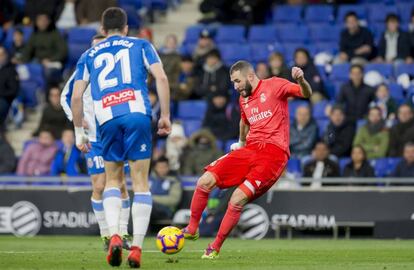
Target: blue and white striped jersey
{"points": [[117, 70]]}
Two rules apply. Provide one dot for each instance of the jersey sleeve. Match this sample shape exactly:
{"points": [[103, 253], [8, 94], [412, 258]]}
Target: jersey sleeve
{"points": [[242, 114], [66, 96], [149, 54], [82, 70], [288, 89]]}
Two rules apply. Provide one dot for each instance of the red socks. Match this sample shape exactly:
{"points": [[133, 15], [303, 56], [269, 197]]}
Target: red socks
{"points": [[198, 204], [231, 218]]}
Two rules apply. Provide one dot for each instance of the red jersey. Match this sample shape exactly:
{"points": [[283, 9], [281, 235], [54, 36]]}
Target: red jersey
{"points": [[266, 112]]}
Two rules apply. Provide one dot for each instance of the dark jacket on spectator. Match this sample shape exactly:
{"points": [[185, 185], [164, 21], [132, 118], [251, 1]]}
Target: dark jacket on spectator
{"points": [[404, 170], [365, 171], [331, 168], [45, 45], [400, 134], [91, 10], [313, 77], [349, 43], [302, 141], [35, 7], [55, 118], [7, 157], [9, 82], [403, 45], [355, 100], [339, 139], [172, 65], [211, 81], [218, 122]]}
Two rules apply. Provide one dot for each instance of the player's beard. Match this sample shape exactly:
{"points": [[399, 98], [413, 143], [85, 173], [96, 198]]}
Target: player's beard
{"points": [[247, 91]]}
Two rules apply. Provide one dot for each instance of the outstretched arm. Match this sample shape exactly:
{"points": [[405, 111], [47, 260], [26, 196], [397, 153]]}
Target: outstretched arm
{"points": [[305, 88]]}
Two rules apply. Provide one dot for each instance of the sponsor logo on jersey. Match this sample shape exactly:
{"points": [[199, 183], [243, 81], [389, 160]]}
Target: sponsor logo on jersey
{"points": [[257, 116], [117, 98]]}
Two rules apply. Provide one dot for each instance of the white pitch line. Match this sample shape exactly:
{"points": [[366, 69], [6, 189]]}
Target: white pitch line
{"points": [[55, 251]]}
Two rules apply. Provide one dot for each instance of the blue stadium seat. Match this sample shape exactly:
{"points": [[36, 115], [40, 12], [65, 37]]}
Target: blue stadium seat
{"points": [[385, 70], [380, 166], [192, 109], [28, 90], [322, 125], [75, 51], [290, 48], [330, 47], [404, 11], [259, 52], [325, 32], [187, 48], [404, 68], [318, 110], [27, 32], [392, 164], [360, 10], [230, 34], [137, 4], [293, 105], [262, 34], [378, 12], [294, 166], [343, 162], [396, 91], [319, 13], [157, 4], [231, 53], [191, 126], [340, 72], [81, 35], [377, 29], [293, 33], [192, 33], [287, 13], [228, 144], [134, 20]]}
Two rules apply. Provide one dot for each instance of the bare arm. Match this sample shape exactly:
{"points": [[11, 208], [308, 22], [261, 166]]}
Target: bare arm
{"points": [[305, 87], [77, 112], [163, 90], [244, 130]]}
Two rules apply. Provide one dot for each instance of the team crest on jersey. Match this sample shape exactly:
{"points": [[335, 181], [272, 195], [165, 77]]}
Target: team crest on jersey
{"points": [[89, 163], [262, 98]]}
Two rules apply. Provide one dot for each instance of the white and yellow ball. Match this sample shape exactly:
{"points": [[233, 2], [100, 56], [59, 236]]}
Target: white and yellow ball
{"points": [[170, 240]]}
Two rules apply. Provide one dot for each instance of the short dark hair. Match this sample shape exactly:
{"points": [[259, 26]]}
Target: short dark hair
{"points": [[162, 159], [351, 14], [338, 107], [241, 66], [114, 19], [98, 36], [392, 17], [186, 58], [214, 53], [361, 68], [375, 108]]}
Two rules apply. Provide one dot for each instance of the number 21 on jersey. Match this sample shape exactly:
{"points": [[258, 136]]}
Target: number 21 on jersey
{"points": [[109, 61]]}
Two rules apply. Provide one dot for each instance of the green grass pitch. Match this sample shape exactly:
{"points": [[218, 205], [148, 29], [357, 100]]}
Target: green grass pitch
{"points": [[85, 253]]}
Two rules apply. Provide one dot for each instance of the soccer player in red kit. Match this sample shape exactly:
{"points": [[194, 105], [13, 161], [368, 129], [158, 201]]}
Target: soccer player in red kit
{"points": [[258, 159]]}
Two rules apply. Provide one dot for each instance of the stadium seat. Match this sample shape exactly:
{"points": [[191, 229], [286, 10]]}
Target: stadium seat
{"points": [[322, 125], [318, 110], [192, 33], [340, 72], [293, 33], [293, 105], [396, 91], [294, 166], [325, 32], [192, 109], [137, 4], [290, 48], [377, 29], [329, 47], [360, 10], [404, 68], [191, 126], [378, 12], [319, 13], [27, 32], [262, 34], [343, 162], [28, 90], [287, 14], [380, 166], [385, 70], [75, 51], [230, 34], [404, 11], [261, 51], [231, 53], [392, 164], [81, 35], [134, 20]]}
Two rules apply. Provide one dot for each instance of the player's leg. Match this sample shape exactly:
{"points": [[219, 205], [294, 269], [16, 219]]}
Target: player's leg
{"points": [[98, 186], [125, 213], [205, 184]]}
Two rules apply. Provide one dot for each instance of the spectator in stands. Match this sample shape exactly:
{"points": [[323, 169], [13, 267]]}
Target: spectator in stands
{"points": [[214, 78], [386, 103], [411, 32], [9, 86], [66, 15], [166, 190], [406, 167], [171, 61], [373, 135], [175, 145], [359, 165], [278, 66], [356, 42], [303, 133], [201, 151], [402, 132], [53, 115], [88, 12], [47, 47], [394, 44], [340, 133], [186, 80], [216, 119], [205, 44], [17, 48], [303, 60], [7, 157], [68, 159], [33, 8], [262, 70], [321, 165], [38, 156], [355, 95], [8, 14]]}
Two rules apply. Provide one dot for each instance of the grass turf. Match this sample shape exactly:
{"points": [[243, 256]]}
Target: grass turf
{"points": [[85, 253]]}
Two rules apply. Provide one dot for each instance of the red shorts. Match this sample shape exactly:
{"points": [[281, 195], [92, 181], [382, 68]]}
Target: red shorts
{"points": [[254, 168]]}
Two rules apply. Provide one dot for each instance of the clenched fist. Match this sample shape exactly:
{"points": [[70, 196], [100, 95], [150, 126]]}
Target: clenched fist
{"points": [[297, 73]]}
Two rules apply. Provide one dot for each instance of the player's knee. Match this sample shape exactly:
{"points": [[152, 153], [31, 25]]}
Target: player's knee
{"points": [[99, 187], [238, 198], [207, 181]]}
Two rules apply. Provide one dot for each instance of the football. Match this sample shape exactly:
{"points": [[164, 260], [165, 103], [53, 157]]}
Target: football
{"points": [[170, 240]]}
